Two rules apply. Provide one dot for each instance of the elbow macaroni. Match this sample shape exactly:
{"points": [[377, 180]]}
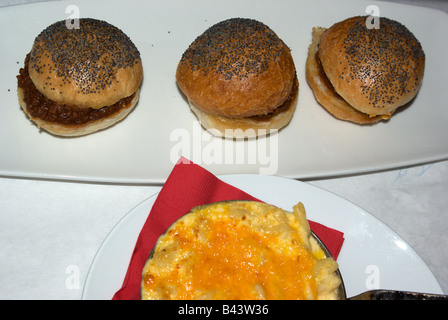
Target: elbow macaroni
{"points": [[240, 250]]}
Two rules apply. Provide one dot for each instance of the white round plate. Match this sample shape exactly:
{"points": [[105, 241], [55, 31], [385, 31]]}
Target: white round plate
{"points": [[373, 256]]}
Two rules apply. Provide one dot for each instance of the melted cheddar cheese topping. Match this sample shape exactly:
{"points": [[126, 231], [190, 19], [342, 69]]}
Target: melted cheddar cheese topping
{"points": [[238, 250]]}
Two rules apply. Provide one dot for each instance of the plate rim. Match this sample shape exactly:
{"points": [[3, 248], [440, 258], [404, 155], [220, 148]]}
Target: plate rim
{"points": [[230, 179]]}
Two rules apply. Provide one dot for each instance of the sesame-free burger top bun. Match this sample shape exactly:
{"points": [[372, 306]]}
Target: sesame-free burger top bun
{"points": [[236, 70], [79, 80], [373, 70]]}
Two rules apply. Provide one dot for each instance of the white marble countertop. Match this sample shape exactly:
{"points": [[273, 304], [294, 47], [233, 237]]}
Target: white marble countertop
{"points": [[46, 227]]}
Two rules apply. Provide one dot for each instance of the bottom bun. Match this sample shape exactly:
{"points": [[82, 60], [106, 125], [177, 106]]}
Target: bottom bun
{"points": [[251, 127], [325, 93], [78, 130]]}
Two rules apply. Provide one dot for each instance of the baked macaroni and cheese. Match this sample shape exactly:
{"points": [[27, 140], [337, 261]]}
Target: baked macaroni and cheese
{"points": [[240, 250]]}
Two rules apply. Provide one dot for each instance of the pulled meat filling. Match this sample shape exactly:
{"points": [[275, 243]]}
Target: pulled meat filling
{"points": [[39, 106]]}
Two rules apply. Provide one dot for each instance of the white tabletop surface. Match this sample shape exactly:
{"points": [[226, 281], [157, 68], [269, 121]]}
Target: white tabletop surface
{"points": [[50, 231]]}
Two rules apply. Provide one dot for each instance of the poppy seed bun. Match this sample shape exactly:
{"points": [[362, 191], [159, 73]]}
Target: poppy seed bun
{"points": [[375, 71], [93, 66], [249, 127], [236, 69], [324, 91], [78, 81]]}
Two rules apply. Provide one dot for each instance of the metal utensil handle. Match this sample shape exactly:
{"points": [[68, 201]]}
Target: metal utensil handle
{"points": [[398, 295]]}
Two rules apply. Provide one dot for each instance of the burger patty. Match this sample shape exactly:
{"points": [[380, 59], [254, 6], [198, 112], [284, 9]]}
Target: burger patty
{"points": [[323, 76], [39, 106], [282, 107]]}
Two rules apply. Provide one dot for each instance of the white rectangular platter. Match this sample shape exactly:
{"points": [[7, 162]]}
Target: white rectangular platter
{"points": [[144, 147]]}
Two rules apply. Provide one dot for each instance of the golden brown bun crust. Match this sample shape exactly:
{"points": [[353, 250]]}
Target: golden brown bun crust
{"points": [[93, 66], [237, 68], [324, 91], [78, 130], [374, 70], [250, 127]]}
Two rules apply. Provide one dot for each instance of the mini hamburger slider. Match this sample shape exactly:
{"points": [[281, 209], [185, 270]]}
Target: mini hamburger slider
{"points": [[239, 78], [78, 81], [361, 74]]}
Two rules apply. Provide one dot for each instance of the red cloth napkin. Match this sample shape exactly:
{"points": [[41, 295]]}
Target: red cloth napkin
{"points": [[187, 186]]}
